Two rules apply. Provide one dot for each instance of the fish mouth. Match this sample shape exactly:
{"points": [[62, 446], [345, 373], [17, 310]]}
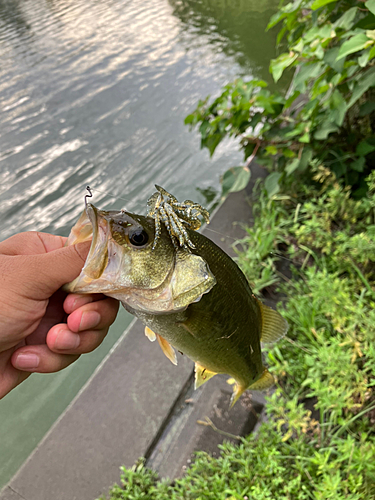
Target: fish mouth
{"points": [[94, 226], [97, 258]]}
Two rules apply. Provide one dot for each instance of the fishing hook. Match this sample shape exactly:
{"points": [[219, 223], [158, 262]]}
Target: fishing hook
{"points": [[88, 195]]}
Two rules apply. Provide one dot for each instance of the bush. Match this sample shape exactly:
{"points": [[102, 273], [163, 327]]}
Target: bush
{"points": [[328, 115]]}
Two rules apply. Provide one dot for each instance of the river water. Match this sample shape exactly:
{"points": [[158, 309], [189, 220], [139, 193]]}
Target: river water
{"points": [[95, 93]]}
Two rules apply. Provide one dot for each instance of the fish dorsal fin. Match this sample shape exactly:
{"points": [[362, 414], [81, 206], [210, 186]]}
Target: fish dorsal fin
{"points": [[202, 374], [150, 334], [167, 349], [274, 326]]}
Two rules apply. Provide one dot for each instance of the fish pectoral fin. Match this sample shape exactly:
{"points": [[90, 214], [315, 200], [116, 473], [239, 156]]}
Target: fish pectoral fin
{"points": [[202, 374], [185, 325], [274, 326], [167, 349], [264, 382], [150, 334]]}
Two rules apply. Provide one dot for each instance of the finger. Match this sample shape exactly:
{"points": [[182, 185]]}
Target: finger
{"points": [[43, 274], [40, 359], [94, 315], [85, 329], [31, 243], [62, 340], [53, 315], [75, 300], [10, 377]]}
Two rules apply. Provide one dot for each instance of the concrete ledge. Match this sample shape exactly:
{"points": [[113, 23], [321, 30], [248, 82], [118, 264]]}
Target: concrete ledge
{"points": [[186, 433]]}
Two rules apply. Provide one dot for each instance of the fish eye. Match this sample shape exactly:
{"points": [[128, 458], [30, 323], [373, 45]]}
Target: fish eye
{"points": [[138, 237]]}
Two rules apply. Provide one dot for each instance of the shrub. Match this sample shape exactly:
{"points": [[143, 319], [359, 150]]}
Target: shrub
{"points": [[328, 115]]}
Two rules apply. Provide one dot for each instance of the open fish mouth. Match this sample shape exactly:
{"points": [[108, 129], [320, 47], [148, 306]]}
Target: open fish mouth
{"points": [[94, 226]]}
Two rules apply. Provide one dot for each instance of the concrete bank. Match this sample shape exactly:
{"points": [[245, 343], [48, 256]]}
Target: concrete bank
{"points": [[138, 404]]}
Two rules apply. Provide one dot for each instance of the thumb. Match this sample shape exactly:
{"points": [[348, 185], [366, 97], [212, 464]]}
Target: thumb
{"points": [[49, 271]]}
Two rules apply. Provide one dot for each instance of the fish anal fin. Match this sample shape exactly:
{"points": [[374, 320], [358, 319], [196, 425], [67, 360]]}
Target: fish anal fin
{"points": [[202, 374], [167, 349], [150, 334], [274, 326]]}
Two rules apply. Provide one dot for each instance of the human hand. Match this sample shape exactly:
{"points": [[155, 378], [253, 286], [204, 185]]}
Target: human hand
{"points": [[42, 328]]}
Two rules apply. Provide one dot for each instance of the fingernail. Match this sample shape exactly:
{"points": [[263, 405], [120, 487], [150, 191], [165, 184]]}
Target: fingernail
{"points": [[27, 361], [90, 319], [67, 340], [81, 301]]}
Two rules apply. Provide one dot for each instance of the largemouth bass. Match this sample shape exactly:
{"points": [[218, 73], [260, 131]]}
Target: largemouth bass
{"points": [[196, 299]]}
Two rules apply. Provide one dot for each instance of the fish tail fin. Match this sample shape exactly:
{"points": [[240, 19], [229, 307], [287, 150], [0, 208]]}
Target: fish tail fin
{"points": [[274, 326], [264, 382], [202, 374]]}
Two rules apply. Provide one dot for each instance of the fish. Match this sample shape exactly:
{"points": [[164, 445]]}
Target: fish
{"points": [[194, 299]]}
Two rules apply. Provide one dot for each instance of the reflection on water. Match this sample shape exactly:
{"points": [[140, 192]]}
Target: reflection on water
{"points": [[96, 93], [233, 27]]}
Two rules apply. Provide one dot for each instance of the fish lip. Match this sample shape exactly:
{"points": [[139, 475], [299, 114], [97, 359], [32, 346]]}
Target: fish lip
{"points": [[92, 214], [97, 256]]}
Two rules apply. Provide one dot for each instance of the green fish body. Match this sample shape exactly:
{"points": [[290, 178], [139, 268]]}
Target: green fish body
{"points": [[195, 300]]}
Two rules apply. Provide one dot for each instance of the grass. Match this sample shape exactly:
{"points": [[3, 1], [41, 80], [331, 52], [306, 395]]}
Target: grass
{"points": [[319, 440]]}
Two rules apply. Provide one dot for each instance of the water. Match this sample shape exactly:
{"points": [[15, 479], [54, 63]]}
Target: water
{"points": [[96, 93]]}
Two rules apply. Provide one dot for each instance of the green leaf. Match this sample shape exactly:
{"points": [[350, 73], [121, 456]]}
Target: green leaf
{"points": [[338, 108], [235, 179], [278, 65], [367, 108], [370, 5], [288, 153], [330, 57], [272, 150], [346, 21], [320, 3], [354, 44], [275, 19], [292, 166], [189, 119], [305, 158], [325, 130], [364, 148], [363, 59], [272, 183], [366, 81], [305, 138], [291, 99], [358, 164], [305, 72]]}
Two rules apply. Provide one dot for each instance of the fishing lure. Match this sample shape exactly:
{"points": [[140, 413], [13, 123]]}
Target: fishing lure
{"points": [[165, 208]]}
